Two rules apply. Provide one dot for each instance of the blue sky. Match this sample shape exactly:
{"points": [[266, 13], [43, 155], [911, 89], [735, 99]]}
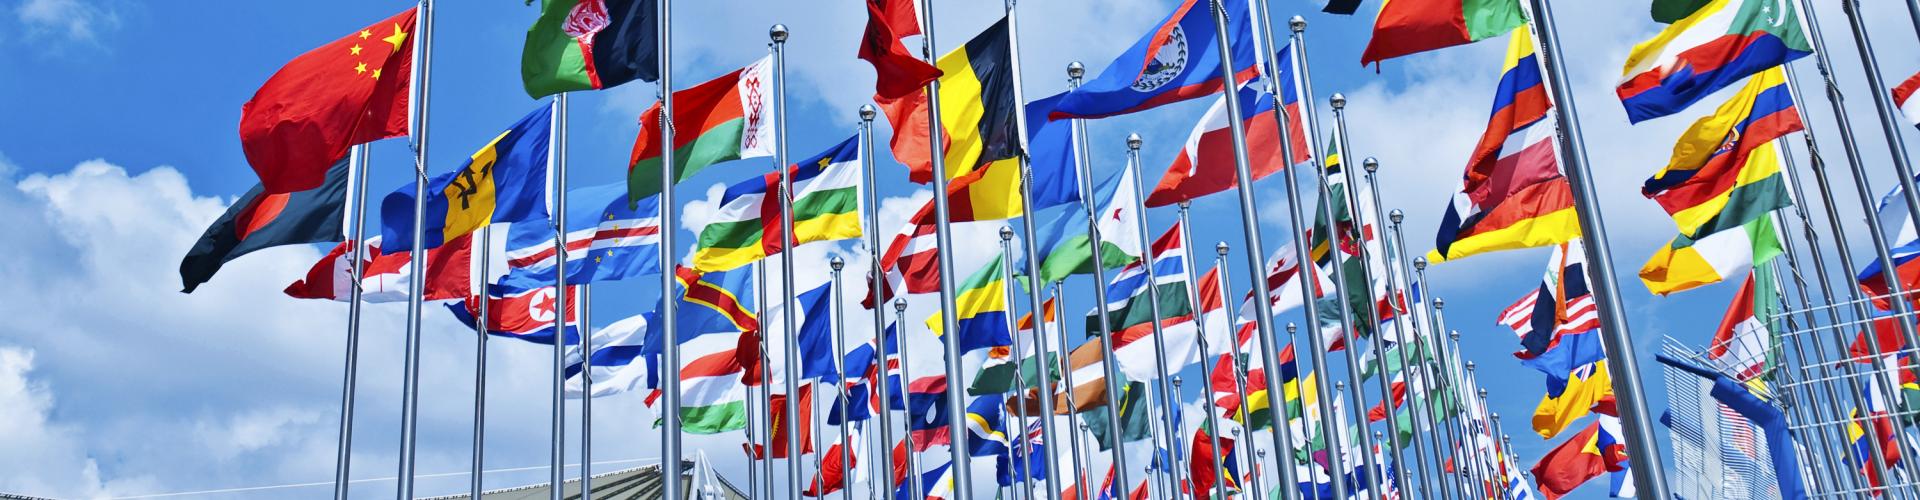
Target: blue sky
{"points": [[125, 148]]}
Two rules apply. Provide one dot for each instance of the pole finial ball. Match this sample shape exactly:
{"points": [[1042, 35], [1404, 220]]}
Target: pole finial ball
{"points": [[1298, 24], [837, 263], [1370, 164], [1291, 327], [1076, 70], [1439, 303], [1396, 216], [1133, 142], [1339, 100], [778, 33], [1006, 233], [867, 112], [1419, 263], [900, 305], [1221, 248]]}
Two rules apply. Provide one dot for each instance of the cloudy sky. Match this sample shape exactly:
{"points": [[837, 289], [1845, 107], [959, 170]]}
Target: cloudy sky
{"points": [[112, 383]]}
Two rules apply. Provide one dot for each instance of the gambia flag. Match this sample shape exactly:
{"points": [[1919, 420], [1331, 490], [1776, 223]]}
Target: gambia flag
{"points": [[723, 119], [590, 45], [1412, 26], [826, 206]]}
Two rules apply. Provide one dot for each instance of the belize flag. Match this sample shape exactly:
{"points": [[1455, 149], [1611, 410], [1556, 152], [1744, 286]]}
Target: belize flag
{"points": [[1718, 45], [1177, 61], [607, 240]]}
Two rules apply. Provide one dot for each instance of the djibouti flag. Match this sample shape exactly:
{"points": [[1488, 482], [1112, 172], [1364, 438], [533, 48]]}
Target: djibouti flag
{"points": [[826, 206]]}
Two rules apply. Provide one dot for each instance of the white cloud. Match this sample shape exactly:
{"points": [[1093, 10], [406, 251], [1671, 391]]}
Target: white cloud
{"points": [[68, 20], [56, 464]]}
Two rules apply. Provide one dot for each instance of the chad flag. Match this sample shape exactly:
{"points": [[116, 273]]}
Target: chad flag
{"points": [[503, 182], [976, 110]]}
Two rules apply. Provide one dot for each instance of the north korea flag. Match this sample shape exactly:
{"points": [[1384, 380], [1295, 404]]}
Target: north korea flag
{"points": [[261, 220]]}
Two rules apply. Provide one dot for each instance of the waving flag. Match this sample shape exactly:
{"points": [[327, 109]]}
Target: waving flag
{"points": [[387, 277], [825, 205], [1069, 250], [987, 422], [303, 119], [978, 125], [1051, 155], [1206, 165], [1129, 311], [609, 241], [1726, 167], [980, 317], [1561, 306], [898, 73], [778, 420], [618, 366], [590, 45], [723, 119], [263, 220], [526, 315], [1589, 454], [1176, 61], [911, 263], [1412, 26], [1892, 213], [1513, 195], [1588, 388], [1903, 97], [1283, 283], [1723, 252], [503, 182], [814, 338], [1712, 48], [833, 475], [1744, 341]]}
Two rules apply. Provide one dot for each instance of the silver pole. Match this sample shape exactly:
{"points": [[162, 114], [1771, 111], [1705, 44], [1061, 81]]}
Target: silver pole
{"points": [[906, 381], [1304, 252], [1066, 376], [1423, 343], [1020, 386], [1161, 367], [1206, 356], [479, 363], [1889, 112], [343, 457], [943, 236], [561, 297], [1109, 364], [766, 371], [1156, 436], [1455, 431], [586, 386], [1345, 307], [874, 275], [1283, 460], [1032, 252], [1371, 306], [1624, 365], [1397, 300], [1240, 368], [670, 451], [410, 390], [778, 33], [840, 366]]}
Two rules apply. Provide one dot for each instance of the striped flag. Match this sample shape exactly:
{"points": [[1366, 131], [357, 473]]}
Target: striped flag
{"points": [[1726, 167], [384, 277], [825, 206], [1743, 343], [618, 366], [608, 239], [1719, 44], [1903, 97], [1561, 306]]}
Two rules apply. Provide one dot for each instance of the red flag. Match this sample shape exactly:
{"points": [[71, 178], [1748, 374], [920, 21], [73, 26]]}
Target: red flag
{"points": [[897, 73], [832, 472], [384, 277], [1582, 457], [348, 92], [778, 419]]}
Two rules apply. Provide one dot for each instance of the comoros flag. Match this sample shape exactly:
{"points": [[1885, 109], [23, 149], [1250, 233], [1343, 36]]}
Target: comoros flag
{"points": [[523, 314], [608, 239]]}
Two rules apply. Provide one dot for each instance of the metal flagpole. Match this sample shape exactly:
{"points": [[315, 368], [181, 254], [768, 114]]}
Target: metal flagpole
{"points": [[558, 155], [1066, 376], [1888, 111], [906, 381], [753, 469], [586, 385], [1039, 323], [1199, 320], [1624, 365], [343, 457], [1344, 305], [791, 364], [1083, 164], [1372, 308], [1456, 429], [479, 358], [670, 452], [1304, 254], [840, 367], [1421, 341], [766, 372], [1397, 300], [1147, 258], [1032, 252], [1177, 441], [874, 275], [943, 237], [416, 282], [1156, 436], [1231, 351]]}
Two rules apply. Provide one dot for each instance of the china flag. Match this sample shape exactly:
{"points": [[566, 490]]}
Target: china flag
{"points": [[348, 92]]}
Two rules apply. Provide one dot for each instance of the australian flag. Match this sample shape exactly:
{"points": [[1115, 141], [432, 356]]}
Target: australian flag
{"points": [[607, 240], [1176, 61]]}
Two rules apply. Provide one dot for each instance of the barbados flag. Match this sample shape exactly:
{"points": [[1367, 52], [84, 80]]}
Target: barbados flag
{"points": [[503, 182], [1177, 61], [981, 309], [1719, 44], [1726, 167]]}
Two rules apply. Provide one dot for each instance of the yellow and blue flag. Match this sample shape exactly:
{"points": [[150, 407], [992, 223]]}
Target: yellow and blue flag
{"points": [[981, 309], [503, 182]]}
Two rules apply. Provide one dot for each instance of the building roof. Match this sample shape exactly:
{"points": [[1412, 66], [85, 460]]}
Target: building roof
{"points": [[642, 482]]}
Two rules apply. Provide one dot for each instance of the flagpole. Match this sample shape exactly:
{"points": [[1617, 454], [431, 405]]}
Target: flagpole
{"points": [[906, 382], [1039, 323], [766, 372], [1304, 253], [1421, 333], [874, 275], [1239, 368], [1032, 250], [1083, 164], [943, 236], [343, 454], [479, 359], [1293, 332], [1348, 332], [1372, 308], [1623, 364], [586, 384], [416, 281], [1396, 299], [1161, 479], [670, 451], [840, 367], [1147, 258], [1199, 321], [1456, 431], [1066, 376], [560, 293], [1889, 112], [778, 33]]}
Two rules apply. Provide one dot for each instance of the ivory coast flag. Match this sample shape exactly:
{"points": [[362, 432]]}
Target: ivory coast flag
{"points": [[826, 206], [723, 119], [1411, 26], [1688, 263]]}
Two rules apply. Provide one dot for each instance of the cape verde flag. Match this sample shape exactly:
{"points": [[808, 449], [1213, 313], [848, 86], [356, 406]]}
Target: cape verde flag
{"points": [[607, 240], [1176, 61]]}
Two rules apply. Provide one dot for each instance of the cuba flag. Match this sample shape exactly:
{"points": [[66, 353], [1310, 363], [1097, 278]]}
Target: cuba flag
{"points": [[503, 182], [607, 240], [1176, 61]]}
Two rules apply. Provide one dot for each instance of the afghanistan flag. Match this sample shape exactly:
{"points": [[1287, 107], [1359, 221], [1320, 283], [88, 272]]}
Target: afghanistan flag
{"points": [[723, 119], [977, 116], [260, 220], [327, 100], [1413, 26], [590, 45], [826, 206]]}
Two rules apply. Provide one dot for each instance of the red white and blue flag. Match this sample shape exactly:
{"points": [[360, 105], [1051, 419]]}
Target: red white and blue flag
{"points": [[607, 240], [523, 314], [385, 277]]}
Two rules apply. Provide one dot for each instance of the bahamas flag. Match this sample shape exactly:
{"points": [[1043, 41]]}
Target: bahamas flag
{"points": [[1719, 44], [826, 206], [1726, 166], [503, 182], [981, 309]]}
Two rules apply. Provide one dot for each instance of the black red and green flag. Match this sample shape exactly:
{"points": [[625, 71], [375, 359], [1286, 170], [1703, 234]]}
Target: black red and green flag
{"points": [[261, 220], [590, 45]]}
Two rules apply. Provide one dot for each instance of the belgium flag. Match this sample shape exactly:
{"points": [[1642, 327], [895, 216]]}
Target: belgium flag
{"points": [[976, 110]]}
